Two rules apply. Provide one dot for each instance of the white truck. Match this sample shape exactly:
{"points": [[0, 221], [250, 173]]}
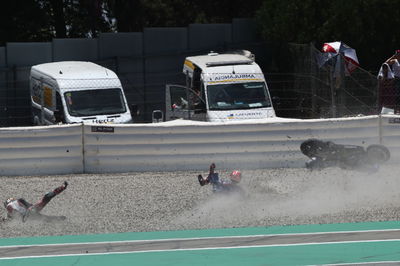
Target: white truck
{"points": [[219, 87], [76, 92]]}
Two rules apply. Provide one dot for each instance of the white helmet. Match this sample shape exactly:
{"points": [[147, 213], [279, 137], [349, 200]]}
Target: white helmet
{"points": [[8, 201]]}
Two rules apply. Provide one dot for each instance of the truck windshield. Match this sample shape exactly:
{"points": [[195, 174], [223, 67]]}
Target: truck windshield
{"points": [[95, 102], [238, 96]]}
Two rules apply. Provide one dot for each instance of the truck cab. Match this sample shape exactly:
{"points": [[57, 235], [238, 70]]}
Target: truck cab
{"points": [[220, 87], [76, 92]]}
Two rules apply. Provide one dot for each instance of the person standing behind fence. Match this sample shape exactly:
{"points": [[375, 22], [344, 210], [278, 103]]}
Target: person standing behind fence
{"points": [[393, 62], [386, 90]]}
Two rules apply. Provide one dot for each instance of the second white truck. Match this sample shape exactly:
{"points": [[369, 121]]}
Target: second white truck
{"points": [[220, 87]]}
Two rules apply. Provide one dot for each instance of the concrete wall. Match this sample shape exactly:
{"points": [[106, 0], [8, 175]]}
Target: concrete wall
{"points": [[123, 52], [162, 62], [75, 50], [28, 54], [122, 44], [3, 86], [206, 36], [20, 56]]}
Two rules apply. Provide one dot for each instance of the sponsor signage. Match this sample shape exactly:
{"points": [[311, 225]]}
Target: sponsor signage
{"points": [[103, 129]]}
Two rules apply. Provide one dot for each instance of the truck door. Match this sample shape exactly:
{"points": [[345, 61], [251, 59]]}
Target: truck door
{"points": [[184, 103], [59, 114], [43, 102]]}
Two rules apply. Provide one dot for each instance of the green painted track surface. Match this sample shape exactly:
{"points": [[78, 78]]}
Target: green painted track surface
{"points": [[301, 254]]}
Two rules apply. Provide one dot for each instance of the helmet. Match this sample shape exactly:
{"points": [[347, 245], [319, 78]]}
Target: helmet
{"points": [[8, 201], [236, 176]]}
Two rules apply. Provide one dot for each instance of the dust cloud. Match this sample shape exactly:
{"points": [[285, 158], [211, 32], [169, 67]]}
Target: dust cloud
{"points": [[154, 201], [290, 196]]}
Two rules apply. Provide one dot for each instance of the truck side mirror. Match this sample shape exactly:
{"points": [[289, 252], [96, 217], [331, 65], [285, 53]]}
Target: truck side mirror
{"points": [[157, 116]]}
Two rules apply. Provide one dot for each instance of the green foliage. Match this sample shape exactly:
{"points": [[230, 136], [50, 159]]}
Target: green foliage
{"points": [[135, 15], [42, 20], [369, 26], [23, 20]]}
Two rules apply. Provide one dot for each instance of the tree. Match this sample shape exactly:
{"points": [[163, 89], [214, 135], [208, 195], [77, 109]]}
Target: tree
{"points": [[42, 20], [78, 18], [369, 26], [23, 21], [135, 15], [58, 16]]}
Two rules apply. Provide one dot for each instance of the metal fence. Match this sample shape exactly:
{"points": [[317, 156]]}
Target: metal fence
{"points": [[298, 86], [314, 91]]}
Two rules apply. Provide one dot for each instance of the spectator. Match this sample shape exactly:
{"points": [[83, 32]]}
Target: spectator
{"points": [[393, 62], [386, 90]]}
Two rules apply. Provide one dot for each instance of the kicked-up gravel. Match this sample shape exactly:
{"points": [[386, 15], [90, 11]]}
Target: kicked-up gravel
{"points": [[154, 201]]}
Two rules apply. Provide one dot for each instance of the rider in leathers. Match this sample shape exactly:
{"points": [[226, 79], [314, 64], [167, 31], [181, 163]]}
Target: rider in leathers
{"points": [[25, 209], [219, 184]]}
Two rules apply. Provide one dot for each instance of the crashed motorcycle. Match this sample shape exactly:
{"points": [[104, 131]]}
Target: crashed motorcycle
{"points": [[324, 154]]}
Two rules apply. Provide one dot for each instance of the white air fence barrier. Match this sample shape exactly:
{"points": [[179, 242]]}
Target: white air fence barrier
{"points": [[182, 145], [188, 145], [41, 150], [390, 136]]}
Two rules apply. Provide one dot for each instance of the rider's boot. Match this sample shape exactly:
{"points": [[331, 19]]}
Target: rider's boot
{"points": [[201, 180]]}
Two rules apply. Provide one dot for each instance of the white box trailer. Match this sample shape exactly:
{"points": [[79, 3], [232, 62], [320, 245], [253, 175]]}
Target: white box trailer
{"points": [[220, 87], [76, 92]]}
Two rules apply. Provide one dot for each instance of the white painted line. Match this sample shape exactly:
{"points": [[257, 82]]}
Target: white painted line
{"points": [[194, 249], [200, 238], [365, 263]]}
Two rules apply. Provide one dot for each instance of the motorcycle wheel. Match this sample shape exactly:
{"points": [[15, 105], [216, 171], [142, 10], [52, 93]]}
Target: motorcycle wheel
{"points": [[311, 147], [378, 153]]}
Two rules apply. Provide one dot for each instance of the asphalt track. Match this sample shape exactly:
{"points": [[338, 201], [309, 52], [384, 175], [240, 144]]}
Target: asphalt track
{"points": [[335, 244]]}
